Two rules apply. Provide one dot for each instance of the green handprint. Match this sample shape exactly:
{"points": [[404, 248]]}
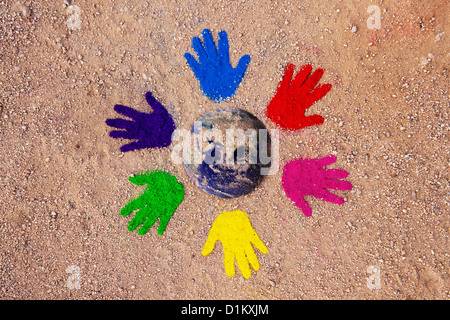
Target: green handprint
{"points": [[159, 200], [235, 232]]}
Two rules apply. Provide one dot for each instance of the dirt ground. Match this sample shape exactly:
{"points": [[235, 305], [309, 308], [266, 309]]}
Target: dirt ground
{"points": [[63, 180]]}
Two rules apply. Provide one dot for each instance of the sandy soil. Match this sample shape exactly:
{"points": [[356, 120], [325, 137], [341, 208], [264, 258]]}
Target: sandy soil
{"points": [[63, 180]]}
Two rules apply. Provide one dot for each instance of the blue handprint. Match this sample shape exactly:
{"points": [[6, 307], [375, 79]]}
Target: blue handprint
{"points": [[218, 79], [151, 130]]}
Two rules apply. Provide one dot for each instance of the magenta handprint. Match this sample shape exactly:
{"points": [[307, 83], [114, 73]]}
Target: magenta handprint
{"points": [[308, 177]]}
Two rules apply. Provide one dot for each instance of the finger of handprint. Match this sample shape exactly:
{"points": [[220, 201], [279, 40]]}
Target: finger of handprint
{"points": [[315, 119], [155, 104], [301, 76], [210, 241], [139, 218], [177, 191], [287, 77], [151, 100], [199, 49], [140, 179], [149, 222], [325, 161], [337, 184], [252, 258], [312, 81], [243, 264], [336, 174], [136, 145], [210, 46], [330, 197], [131, 206], [122, 134], [228, 262], [193, 63], [301, 203], [258, 243], [163, 221], [319, 92], [223, 47], [242, 65], [127, 111], [120, 123]]}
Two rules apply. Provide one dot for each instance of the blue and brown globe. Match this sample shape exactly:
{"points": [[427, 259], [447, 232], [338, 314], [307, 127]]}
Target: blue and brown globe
{"points": [[232, 147]]}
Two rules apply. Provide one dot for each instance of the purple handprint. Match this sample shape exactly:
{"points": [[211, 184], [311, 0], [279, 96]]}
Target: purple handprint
{"points": [[151, 130], [307, 177]]}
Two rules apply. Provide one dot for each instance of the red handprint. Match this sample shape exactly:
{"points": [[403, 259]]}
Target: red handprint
{"points": [[287, 108]]}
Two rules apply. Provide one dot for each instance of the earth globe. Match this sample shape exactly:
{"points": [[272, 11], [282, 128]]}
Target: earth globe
{"points": [[231, 150]]}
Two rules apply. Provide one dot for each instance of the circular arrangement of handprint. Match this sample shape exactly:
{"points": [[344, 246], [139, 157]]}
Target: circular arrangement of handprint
{"points": [[227, 152]]}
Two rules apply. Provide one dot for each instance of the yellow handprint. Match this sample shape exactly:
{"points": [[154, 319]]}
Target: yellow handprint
{"points": [[235, 232]]}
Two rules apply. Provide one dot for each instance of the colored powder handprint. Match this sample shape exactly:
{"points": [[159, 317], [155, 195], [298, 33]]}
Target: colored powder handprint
{"points": [[307, 177], [218, 79], [235, 232], [159, 200], [294, 96], [151, 130]]}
